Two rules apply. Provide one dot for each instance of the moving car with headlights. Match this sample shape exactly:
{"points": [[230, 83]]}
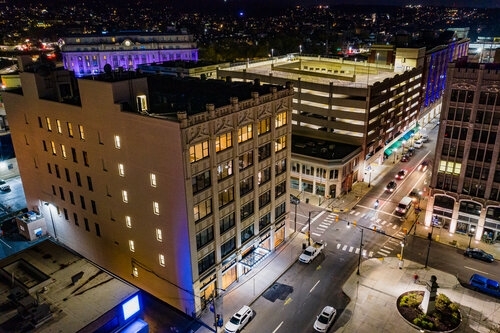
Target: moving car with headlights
{"points": [[401, 174], [391, 187], [325, 319], [423, 166], [404, 206], [479, 254], [239, 320]]}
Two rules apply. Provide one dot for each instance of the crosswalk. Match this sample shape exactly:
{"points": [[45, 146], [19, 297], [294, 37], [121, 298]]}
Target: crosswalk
{"points": [[391, 247]]}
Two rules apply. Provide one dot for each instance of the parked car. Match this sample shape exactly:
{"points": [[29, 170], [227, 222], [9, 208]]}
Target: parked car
{"points": [[391, 187], [401, 174], [239, 320], [325, 319], [2, 182], [5, 188], [405, 158], [423, 166], [294, 200], [411, 151], [424, 138], [418, 144], [479, 254]]}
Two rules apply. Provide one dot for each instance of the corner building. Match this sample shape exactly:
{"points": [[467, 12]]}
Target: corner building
{"points": [[466, 179], [178, 186]]}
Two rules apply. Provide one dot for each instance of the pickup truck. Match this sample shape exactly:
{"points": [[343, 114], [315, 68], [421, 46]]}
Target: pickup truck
{"points": [[311, 252]]}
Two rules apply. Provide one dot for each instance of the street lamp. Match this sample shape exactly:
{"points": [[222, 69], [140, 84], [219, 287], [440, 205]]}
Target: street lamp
{"points": [[369, 168], [360, 250], [216, 320], [471, 234], [300, 49], [434, 222], [295, 218]]}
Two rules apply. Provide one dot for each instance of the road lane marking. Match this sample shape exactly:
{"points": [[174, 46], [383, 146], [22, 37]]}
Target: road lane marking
{"points": [[476, 270], [370, 254], [314, 286], [386, 247], [277, 328], [10, 247], [288, 300]]}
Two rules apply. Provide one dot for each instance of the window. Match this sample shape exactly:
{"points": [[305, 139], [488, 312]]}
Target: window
{"points": [[226, 223], [159, 235], [142, 105], [75, 217], [86, 221], [204, 237], [73, 152], [131, 245], [82, 132], [246, 185], [161, 260], [68, 177], [125, 196], [264, 151], [228, 247], [63, 151], [247, 233], [226, 196], [281, 119], [264, 126], [245, 133], [280, 143], [264, 199], [61, 193], [198, 151], [280, 189], [82, 202], [97, 229], [89, 183], [152, 179], [202, 209], [223, 141], [264, 176], [206, 262], [118, 144], [72, 197], [121, 170], [156, 208], [245, 160], [128, 221], [58, 173], [279, 210], [70, 129], [78, 180], [85, 158], [40, 123], [94, 206], [264, 221], [224, 170], [247, 210], [201, 181], [49, 125], [58, 124], [53, 146], [44, 145]]}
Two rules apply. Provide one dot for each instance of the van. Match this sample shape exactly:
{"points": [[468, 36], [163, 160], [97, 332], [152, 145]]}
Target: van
{"points": [[404, 205], [485, 285]]}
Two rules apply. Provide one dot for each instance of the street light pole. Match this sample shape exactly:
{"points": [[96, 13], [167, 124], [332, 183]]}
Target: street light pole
{"points": [[295, 219], [429, 237], [471, 234], [215, 309], [360, 250], [309, 230]]}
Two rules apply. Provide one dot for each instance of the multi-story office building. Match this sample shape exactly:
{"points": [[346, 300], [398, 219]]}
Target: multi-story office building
{"points": [[179, 186], [363, 104], [466, 180], [89, 54]]}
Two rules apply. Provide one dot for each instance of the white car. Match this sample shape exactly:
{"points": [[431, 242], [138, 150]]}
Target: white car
{"points": [[239, 320], [325, 319], [418, 144], [424, 138]]}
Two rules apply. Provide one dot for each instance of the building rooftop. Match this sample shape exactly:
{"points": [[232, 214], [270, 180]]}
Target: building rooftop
{"points": [[49, 288], [323, 149]]}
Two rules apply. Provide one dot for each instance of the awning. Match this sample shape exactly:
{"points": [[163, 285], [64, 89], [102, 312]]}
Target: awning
{"points": [[253, 257]]}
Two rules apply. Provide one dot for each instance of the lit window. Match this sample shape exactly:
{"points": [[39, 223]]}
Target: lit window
{"points": [[128, 221], [280, 119], [70, 129], [142, 105], [159, 236], [125, 196], [118, 143], [53, 145], [264, 126], [49, 125], [131, 245], [245, 133], [59, 129], [156, 208], [161, 259], [152, 177], [82, 132], [223, 141], [135, 272], [198, 151], [63, 151], [121, 169], [280, 143]]}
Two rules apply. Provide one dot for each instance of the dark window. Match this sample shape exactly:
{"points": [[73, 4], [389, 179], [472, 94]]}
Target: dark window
{"points": [[85, 158], [226, 223], [40, 122], [94, 206], [247, 210], [65, 212], [73, 152], [247, 233], [264, 175], [280, 167], [206, 262], [228, 247], [75, 217], [82, 202], [264, 221], [89, 183], [264, 199], [201, 181], [58, 174], [49, 168], [245, 160], [470, 207], [44, 145], [61, 192], [264, 151], [97, 229], [444, 202], [280, 210], [280, 189], [71, 197], [204, 237], [86, 221], [246, 186], [78, 179], [68, 178]]}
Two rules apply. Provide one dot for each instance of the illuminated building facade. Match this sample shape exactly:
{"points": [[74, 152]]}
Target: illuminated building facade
{"points": [[466, 180], [178, 186], [88, 54]]}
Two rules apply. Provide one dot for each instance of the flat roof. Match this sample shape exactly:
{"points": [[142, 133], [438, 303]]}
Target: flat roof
{"points": [[55, 290], [320, 148]]}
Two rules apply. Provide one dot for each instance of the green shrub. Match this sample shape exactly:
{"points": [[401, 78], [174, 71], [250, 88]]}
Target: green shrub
{"points": [[411, 300]]}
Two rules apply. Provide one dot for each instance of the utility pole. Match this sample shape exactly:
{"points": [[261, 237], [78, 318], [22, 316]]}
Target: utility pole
{"points": [[309, 230], [360, 250]]}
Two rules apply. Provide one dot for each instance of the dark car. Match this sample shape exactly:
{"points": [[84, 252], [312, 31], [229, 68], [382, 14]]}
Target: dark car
{"points": [[294, 200], [391, 187], [423, 166], [479, 254], [411, 151], [401, 174], [405, 158]]}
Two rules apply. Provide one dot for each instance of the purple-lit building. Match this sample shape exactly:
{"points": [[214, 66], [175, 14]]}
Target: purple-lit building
{"points": [[88, 54]]}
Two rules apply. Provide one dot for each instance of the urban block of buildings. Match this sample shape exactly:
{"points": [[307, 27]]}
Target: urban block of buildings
{"points": [[178, 186]]}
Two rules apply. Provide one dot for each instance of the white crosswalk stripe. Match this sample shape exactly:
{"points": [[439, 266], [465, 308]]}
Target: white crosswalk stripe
{"points": [[351, 248], [344, 247], [370, 254], [316, 234], [385, 251]]}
